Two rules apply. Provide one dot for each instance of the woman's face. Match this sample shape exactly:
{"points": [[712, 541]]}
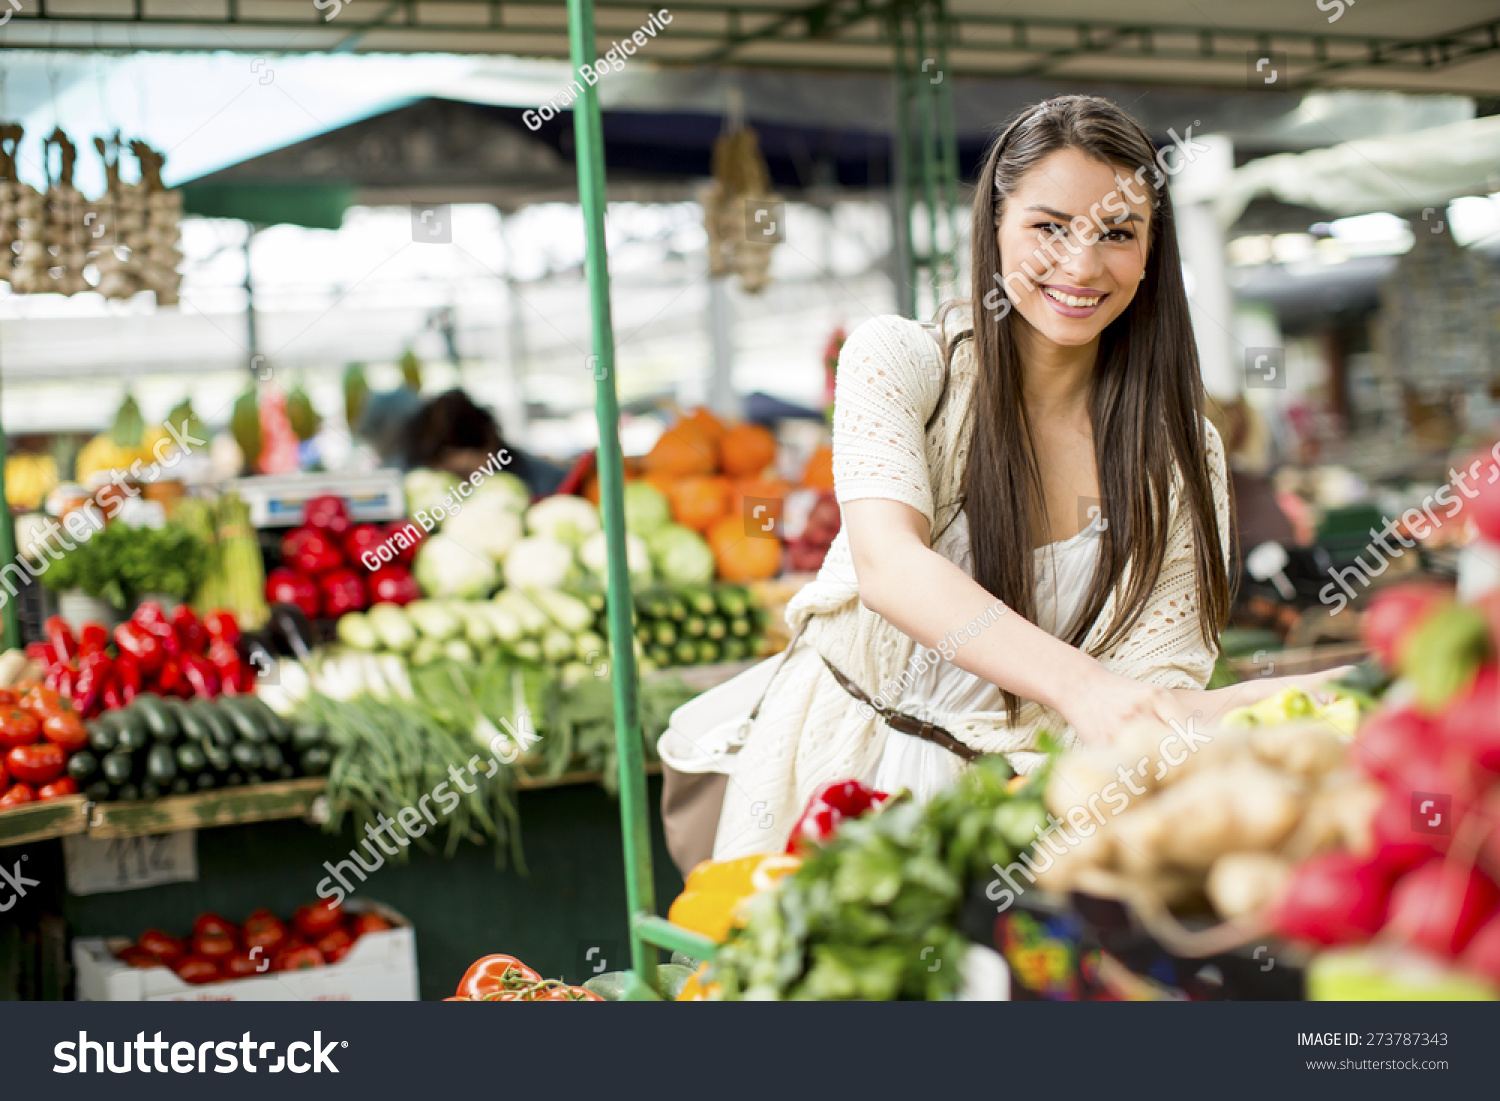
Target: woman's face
{"points": [[1073, 244]]}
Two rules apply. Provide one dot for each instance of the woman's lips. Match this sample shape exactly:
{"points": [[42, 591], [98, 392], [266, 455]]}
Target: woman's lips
{"points": [[1073, 301]]}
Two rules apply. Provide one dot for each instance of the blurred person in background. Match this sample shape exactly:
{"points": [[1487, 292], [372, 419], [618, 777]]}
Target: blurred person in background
{"points": [[452, 433]]}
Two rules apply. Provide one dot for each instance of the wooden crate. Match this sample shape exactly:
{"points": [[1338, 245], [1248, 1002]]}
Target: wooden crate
{"points": [[223, 807], [40, 821]]}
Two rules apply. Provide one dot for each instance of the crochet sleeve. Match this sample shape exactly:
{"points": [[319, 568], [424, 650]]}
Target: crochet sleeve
{"points": [[889, 378], [1166, 646]]}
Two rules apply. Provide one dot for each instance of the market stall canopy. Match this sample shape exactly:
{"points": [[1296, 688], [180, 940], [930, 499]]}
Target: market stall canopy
{"points": [[1335, 43], [1424, 170]]}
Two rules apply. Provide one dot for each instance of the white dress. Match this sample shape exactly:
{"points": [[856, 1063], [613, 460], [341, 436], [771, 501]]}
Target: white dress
{"points": [[941, 692]]}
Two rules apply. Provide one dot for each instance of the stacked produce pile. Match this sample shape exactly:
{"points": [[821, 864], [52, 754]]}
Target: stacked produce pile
{"points": [[167, 746], [501, 978], [38, 732], [875, 900], [324, 569], [319, 934], [1426, 878]]}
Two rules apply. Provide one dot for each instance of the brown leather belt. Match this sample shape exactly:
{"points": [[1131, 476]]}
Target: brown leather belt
{"points": [[906, 724]]}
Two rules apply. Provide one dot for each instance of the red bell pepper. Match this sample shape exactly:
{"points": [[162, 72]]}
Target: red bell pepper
{"points": [[114, 695], [201, 675], [222, 626], [287, 586], [41, 653], [361, 540], [343, 591], [328, 513], [311, 551], [128, 677], [59, 678], [92, 638], [394, 585], [60, 637], [169, 678], [227, 663], [828, 808], [190, 633], [142, 646], [151, 617]]}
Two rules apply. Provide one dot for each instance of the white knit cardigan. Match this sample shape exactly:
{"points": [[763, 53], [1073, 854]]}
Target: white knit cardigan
{"points": [[809, 731]]}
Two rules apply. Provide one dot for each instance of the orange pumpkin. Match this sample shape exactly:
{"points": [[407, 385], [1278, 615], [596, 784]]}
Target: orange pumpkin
{"points": [[819, 472], [682, 450], [697, 502], [746, 450], [773, 489], [740, 556], [660, 481], [709, 426]]}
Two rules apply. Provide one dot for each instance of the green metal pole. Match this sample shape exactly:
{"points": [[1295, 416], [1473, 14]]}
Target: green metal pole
{"points": [[949, 141], [11, 619], [635, 820], [927, 140], [906, 260]]}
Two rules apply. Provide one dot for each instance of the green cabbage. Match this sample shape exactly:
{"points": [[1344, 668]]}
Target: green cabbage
{"points": [[680, 556], [509, 488], [445, 567], [646, 509], [564, 518]]}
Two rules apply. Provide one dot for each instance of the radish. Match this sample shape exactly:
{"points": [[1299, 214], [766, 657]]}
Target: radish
{"points": [[1472, 721], [1483, 954], [1336, 898], [1439, 908], [1484, 509], [1393, 614], [1390, 739]]}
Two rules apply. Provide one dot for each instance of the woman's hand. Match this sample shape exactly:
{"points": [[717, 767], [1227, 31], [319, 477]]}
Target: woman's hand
{"points": [[1105, 702]]}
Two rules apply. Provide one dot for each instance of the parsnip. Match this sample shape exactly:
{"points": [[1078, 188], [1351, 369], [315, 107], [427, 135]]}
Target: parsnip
{"points": [[1243, 882]]}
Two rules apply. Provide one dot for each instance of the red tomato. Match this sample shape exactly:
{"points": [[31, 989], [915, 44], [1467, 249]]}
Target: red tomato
{"points": [[163, 946], [317, 918], [136, 958], [368, 923], [65, 729], [335, 945], [210, 924], [36, 764], [214, 946], [4, 776], [58, 788], [298, 959], [40, 701], [19, 728], [197, 970], [487, 976], [269, 935], [263, 914], [9, 697], [242, 965], [16, 795]]}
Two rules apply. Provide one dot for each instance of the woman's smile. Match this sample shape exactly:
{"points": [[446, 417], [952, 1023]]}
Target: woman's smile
{"points": [[1073, 301]]}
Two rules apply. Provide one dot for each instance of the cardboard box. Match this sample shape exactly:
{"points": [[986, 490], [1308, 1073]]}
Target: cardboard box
{"points": [[381, 967]]}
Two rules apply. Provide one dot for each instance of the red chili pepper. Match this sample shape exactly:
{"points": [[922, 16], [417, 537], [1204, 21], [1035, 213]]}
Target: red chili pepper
{"points": [[60, 636], [201, 675], [226, 662], [829, 807], [244, 683], [154, 621], [169, 678], [59, 678], [146, 648], [114, 696], [88, 689], [128, 673], [190, 633], [93, 638], [222, 626]]}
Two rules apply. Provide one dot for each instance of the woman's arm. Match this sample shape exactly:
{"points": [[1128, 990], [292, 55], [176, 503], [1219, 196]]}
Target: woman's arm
{"points": [[931, 600]]}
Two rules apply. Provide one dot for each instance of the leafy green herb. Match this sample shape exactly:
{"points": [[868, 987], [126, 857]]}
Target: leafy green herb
{"points": [[121, 563]]}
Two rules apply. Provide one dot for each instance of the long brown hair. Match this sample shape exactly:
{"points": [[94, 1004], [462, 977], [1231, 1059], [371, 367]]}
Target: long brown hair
{"points": [[1146, 399]]}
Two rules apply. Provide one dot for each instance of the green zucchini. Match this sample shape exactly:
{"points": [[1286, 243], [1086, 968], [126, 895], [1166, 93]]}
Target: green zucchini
{"points": [[127, 793], [246, 728], [220, 732], [685, 652], [246, 756], [700, 601], [150, 789], [715, 628], [315, 760], [182, 786], [191, 759], [193, 726], [257, 709], [117, 766], [83, 766], [102, 733], [218, 757], [205, 780], [234, 779], [660, 655], [133, 733], [98, 791], [307, 734], [694, 626], [156, 715], [161, 765], [271, 758]]}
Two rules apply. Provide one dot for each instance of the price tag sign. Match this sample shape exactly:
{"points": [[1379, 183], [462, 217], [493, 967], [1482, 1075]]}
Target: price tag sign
{"points": [[124, 863]]}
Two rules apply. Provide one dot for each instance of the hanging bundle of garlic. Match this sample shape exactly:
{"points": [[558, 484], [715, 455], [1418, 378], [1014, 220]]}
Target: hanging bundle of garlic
{"points": [[158, 251], [737, 210], [10, 190], [32, 271]]}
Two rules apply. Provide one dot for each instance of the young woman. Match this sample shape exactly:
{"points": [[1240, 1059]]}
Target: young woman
{"points": [[1036, 512]]}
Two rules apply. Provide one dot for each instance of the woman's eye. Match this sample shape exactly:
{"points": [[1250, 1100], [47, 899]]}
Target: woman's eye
{"points": [[1119, 235], [1050, 227]]}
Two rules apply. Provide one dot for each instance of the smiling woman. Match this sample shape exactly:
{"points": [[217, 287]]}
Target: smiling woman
{"points": [[1045, 446]]}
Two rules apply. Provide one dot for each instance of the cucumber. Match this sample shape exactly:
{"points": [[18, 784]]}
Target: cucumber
{"points": [[117, 767], [194, 729], [246, 756], [708, 652], [315, 760], [205, 780], [83, 766], [134, 732], [103, 733], [161, 765], [218, 757], [98, 791], [685, 652], [182, 786], [305, 735], [734, 601], [596, 600], [739, 627], [191, 759], [157, 716], [676, 607], [699, 601], [150, 789], [715, 628], [736, 649], [127, 793], [220, 732], [660, 656], [694, 626], [246, 728], [666, 633]]}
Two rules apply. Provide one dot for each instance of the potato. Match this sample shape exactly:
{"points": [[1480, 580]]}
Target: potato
{"points": [[1241, 883]]}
